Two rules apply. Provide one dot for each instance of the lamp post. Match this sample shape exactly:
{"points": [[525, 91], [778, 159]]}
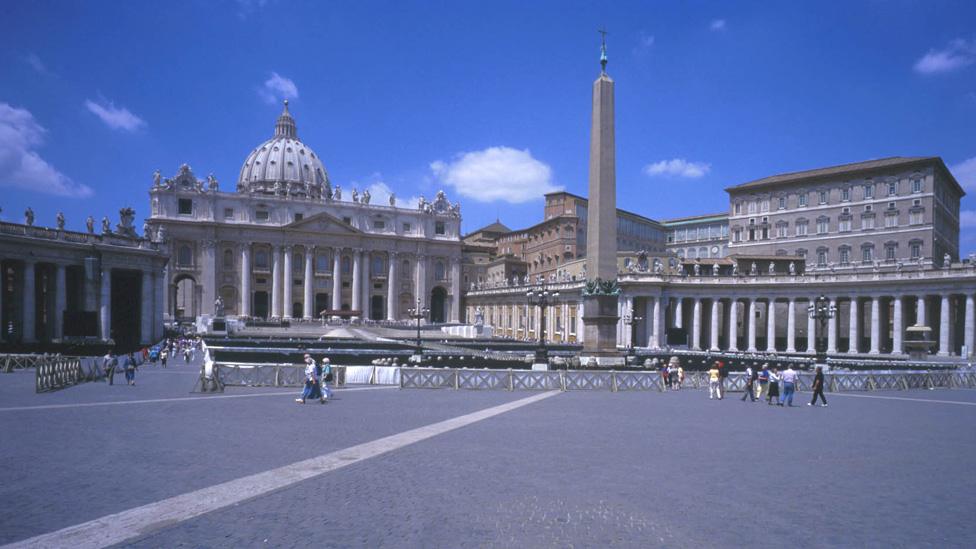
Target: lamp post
{"points": [[418, 313], [631, 320], [821, 311], [540, 297]]}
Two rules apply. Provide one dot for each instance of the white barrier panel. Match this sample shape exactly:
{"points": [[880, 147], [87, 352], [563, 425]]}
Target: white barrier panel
{"points": [[386, 375], [359, 374]]}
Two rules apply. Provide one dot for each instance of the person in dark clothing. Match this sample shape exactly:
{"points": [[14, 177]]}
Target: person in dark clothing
{"points": [[818, 387], [723, 372], [773, 395], [749, 391]]}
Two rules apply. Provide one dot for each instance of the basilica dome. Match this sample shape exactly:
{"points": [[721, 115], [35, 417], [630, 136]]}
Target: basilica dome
{"points": [[283, 165]]}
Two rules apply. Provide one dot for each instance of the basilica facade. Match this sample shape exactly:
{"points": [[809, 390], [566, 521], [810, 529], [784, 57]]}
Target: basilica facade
{"points": [[287, 245]]}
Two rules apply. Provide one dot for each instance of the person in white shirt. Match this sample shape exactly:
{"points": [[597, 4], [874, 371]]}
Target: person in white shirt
{"points": [[789, 386]]}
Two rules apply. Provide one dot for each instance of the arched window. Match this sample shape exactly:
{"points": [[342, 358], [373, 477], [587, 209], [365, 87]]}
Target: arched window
{"points": [[346, 265], [228, 259], [439, 271], [261, 259], [405, 269], [321, 263], [376, 266], [297, 262], [184, 257]]}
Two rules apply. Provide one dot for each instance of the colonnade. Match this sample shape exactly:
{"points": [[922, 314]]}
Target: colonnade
{"points": [[875, 323]]}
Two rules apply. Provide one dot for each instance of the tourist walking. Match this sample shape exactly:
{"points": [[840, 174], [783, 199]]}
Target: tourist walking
{"points": [[326, 392], [763, 381], [130, 369], [750, 383], [818, 387], [311, 381], [723, 373], [163, 355], [789, 385], [713, 381], [773, 388], [110, 363], [681, 376]]}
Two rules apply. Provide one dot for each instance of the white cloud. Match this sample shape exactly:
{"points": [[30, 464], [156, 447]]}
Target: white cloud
{"points": [[965, 173], [21, 166], [379, 193], [117, 118], [959, 53], [35, 62], [496, 173], [277, 88], [677, 167], [967, 218], [644, 43], [717, 25]]}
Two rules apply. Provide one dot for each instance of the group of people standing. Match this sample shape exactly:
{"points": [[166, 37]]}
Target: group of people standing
{"points": [[317, 378], [111, 363], [775, 386]]}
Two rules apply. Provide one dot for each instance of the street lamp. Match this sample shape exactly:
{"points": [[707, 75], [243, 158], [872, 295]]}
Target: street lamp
{"points": [[821, 311], [418, 313], [541, 297], [632, 320]]}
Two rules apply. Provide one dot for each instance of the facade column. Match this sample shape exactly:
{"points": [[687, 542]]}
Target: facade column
{"points": [[679, 313], [159, 281], [649, 321], [733, 324], [696, 325], [811, 329], [944, 327], [275, 282], [855, 333], [367, 284], [357, 282], [105, 305], [61, 302], [245, 308], [752, 326], [875, 325], [970, 324], [29, 325], [146, 335], [309, 294], [897, 328], [716, 310], [287, 284], [391, 286], [658, 338], [336, 279], [791, 326], [771, 326], [832, 330], [921, 316], [206, 289], [420, 279]]}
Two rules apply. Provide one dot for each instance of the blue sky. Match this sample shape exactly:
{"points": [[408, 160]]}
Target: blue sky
{"points": [[489, 101]]}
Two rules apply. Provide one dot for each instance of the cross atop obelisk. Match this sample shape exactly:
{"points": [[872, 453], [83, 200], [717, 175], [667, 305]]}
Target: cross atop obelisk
{"points": [[600, 295]]}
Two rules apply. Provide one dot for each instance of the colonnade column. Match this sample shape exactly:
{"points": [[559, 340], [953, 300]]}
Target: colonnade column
{"points": [[336, 279], [970, 338], [30, 311], [679, 313], [275, 282], [357, 281], [896, 346], [288, 282], [854, 334], [367, 285], [159, 281], [309, 280], [875, 325], [791, 326], [716, 309], [455, 263], [696, 325], [944, 326], [245, 280], [658, 324], [733, 323], [811, 329], [771, 326], [147, 299], [832, 329], [421, 279], [61, 302], [752, 326], [105, 305], [391, 279]]}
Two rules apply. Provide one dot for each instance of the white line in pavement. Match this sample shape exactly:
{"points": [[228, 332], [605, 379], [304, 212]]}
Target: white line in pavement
{"points": [[905, 398], [143, 521], [177, 399]]}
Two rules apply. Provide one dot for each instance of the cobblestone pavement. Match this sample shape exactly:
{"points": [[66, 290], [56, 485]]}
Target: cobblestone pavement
{"points": [[580, 469]]}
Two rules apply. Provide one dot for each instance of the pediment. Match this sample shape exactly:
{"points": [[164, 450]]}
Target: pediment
{"points": [[323, 223]]}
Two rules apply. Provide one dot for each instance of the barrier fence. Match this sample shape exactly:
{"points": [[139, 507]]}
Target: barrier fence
{"points": [[11, 362], [58, 372], [271, 375], [609, 380]]}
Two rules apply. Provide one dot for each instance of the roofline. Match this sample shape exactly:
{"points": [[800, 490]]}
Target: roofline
{"points": [[619, 210], [799, 177], [703, 217]]}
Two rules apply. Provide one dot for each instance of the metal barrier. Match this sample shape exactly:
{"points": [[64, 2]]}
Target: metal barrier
{"points": [[57, 373], [11, 362], [268, 374], [609, 380]]}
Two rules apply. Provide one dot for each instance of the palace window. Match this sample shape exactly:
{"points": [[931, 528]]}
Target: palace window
{"points": [[823, 197], [844, 225], [261, 260], [916, 185], [845, 194], [184, 257], [738, 208], [299, 216], [823, 225], [262, 215], [845, 255], [321, 263], [868, 192], [185, 206], [801, 228], [890, 251], [891, 220], [822, 257], [892, 188], [781, 230], [379, 224], [802, 200], [915, 218], [915, 250], [867, 223], [782, 202], [439, 227], [228, 213], [406, 228], [228, 259], [867, 254]]}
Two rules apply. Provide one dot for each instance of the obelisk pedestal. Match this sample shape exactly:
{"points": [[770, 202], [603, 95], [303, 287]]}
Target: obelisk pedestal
{"points": [[601, 293]]}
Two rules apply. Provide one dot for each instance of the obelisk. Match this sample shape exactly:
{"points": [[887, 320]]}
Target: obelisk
{"points": [[600, 294]]}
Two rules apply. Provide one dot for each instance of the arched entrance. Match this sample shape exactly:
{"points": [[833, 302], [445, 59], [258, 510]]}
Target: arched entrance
{"points": [[376, 304], [322, 303], [185, 304], [438, 303], [260, 308]]}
